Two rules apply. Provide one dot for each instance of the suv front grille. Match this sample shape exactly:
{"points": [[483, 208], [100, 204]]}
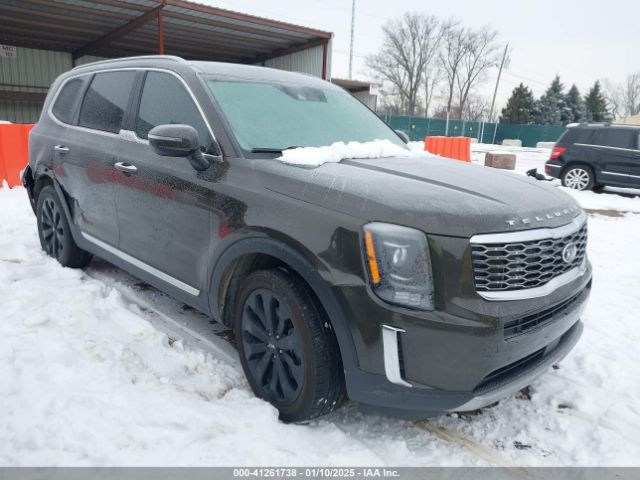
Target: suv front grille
{"points": [[525, 264]]}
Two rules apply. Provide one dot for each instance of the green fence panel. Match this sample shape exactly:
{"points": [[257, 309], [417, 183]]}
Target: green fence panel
{"points": [[419, 127]]}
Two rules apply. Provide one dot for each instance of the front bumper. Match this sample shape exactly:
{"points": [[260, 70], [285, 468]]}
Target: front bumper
{"points": [[443, 363]]}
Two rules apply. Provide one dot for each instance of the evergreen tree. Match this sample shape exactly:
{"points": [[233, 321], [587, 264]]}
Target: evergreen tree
{"points": [[596, 105], [575, 105], [519, 106], [552, 108]]}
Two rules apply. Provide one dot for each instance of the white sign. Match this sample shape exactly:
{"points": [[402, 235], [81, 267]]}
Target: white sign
{"points": [[8, 51]]}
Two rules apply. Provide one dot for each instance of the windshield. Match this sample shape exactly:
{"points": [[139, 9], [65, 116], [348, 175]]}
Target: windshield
{"points": [[272, 117]]}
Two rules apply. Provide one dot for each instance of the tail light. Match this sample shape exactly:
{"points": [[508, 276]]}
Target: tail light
{"points": [[556, 152]]}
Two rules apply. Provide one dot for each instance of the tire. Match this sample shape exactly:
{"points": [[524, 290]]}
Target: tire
{"points": [[54, 232], [280, 329], [578, 177]]}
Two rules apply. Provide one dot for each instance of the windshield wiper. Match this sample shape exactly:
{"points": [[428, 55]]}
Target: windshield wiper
{"points": [[271, 149]]}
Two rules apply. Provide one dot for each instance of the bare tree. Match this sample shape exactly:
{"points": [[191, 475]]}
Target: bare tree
{"points": [[624, 98], [432, 78], [454, 50], [481, 54], [409, 45], [433, 37], [631, 94], [476, 108], [614, 98]]}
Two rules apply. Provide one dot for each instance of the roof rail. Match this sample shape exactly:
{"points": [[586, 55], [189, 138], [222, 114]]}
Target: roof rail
{"points": [[172, 58]]}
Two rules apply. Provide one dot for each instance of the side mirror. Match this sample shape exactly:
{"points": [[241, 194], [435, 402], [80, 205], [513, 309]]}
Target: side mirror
{"points": [[178, 141], [405, 138]]}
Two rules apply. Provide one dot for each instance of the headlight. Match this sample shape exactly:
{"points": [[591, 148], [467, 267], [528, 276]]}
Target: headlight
{"points": [[399, 265]]}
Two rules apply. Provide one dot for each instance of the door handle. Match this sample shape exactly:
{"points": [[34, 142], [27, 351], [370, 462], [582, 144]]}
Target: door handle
{"points": [[61, 149], [125, 167]]}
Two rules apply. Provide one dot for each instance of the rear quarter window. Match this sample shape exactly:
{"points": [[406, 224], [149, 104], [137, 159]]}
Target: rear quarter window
{"points": [[569, 136], [65, 103]]}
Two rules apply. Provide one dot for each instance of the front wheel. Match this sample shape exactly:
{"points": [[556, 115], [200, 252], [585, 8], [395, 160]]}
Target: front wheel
{"points": [[288, 351], [578, 177]]}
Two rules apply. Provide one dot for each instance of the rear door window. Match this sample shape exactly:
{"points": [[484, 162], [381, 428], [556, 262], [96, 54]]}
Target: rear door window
{"points": [[64, 106], [165, 101], [618, 138], [106, 100]]}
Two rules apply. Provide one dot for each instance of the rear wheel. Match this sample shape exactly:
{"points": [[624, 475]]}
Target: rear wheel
{"points": [[579, 177], [288, 351], [55, 235]]}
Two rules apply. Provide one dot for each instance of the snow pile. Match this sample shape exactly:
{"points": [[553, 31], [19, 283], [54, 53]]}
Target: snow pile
{"points": [[316, 156]]}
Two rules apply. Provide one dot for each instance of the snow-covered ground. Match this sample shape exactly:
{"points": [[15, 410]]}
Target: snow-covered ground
{"points": [[621, 199], [97, 368]]}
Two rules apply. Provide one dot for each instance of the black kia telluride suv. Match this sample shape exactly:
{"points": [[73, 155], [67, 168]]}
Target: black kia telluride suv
{"points": [[591, 155], [414, 286]]}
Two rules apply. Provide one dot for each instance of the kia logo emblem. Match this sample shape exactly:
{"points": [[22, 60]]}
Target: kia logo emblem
{"points": [[569, 253]]}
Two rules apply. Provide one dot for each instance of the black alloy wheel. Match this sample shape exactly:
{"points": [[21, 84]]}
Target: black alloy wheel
{"points": [[288, 349], [272, 347], [53, 231]]}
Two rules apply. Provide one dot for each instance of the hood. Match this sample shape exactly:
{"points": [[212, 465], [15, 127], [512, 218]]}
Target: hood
{"points": [[436, 195]]}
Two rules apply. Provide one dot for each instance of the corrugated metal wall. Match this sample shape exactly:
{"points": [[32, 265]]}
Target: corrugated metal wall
{"points": [[305, 61], [20, 112], [33, 71], [88, 59], [366, 98]]}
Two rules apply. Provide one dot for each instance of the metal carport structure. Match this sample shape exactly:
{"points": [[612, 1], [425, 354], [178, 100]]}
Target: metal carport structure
{"points": [[47, 37]]}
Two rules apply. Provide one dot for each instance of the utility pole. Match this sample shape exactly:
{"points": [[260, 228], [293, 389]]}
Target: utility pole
{"points": [[353, 22], [495, 92]]}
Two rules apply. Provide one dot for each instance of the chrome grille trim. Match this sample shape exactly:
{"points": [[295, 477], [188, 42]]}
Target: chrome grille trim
{"points": [[531, 235], [527, 264]]}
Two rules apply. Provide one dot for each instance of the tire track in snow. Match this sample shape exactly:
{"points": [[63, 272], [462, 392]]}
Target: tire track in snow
{"points": [[213, 344], [489, 455]]}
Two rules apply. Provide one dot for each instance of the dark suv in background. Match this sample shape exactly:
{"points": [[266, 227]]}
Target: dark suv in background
{"points": [[414, 286], [592, 155]]}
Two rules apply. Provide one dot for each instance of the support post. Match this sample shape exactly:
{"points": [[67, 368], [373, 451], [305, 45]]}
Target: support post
{"points": [[325, 47], [160, 32], [353, 21]]}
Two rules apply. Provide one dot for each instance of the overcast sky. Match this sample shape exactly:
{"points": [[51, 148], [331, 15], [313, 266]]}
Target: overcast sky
{"points": [[581, 40]]}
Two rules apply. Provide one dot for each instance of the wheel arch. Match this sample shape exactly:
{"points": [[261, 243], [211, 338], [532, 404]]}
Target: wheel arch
{"points": [[575, 163], [260, 251]]}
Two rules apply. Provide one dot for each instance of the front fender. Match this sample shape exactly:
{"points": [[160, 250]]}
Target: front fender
{"points": [[321, 288]]}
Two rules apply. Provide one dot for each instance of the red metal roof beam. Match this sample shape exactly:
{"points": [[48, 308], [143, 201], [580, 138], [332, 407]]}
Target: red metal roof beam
{"points": [[119, 32]]}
